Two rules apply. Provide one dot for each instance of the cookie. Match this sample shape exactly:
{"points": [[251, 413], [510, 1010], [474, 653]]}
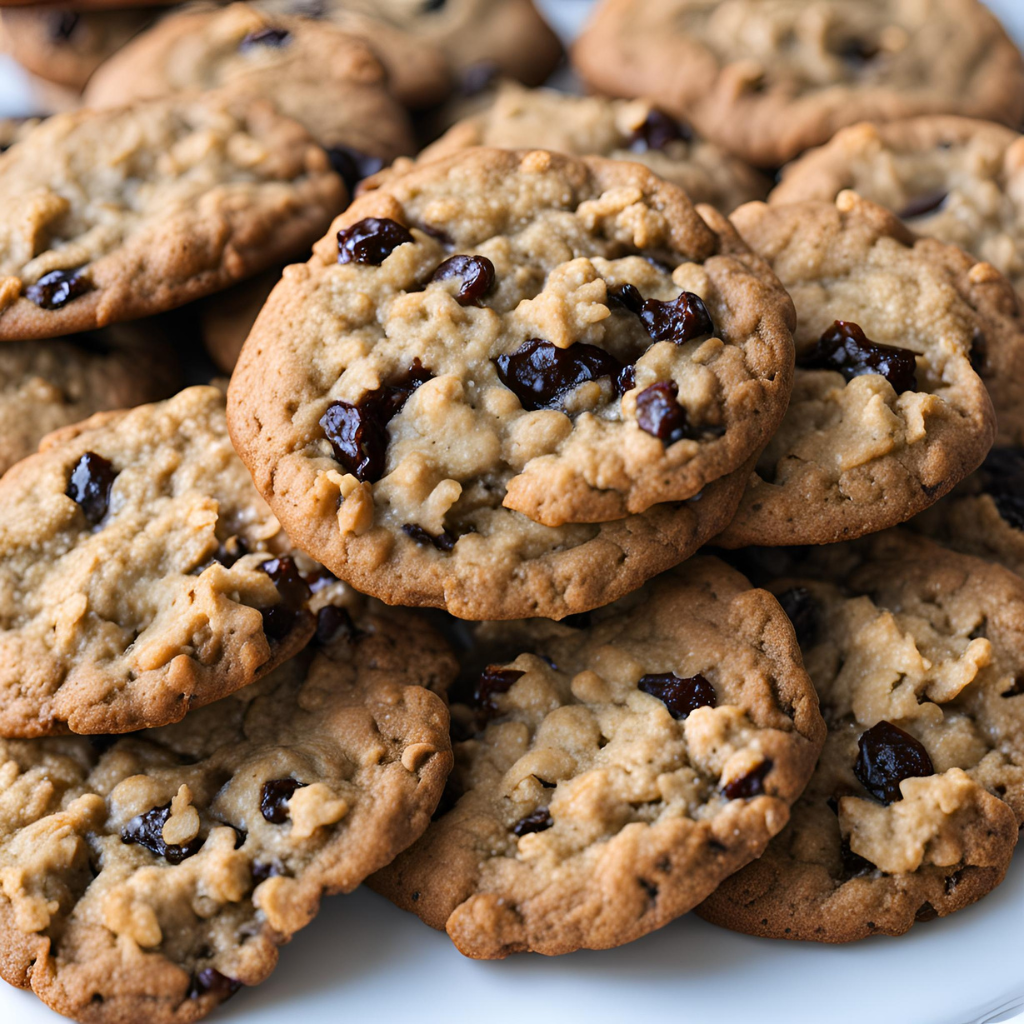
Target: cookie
{"points": [[624, 130], [116, 214], [151, 877], [767, 79], [611, 776], [67, 46], [326, 79], [142, 575], [887, 413], [45, 385], [226, 319], [915, 805]]}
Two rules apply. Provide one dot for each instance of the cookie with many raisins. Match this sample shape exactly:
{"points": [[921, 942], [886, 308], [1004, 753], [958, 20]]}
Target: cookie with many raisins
{"points": [[142, 575], [611, 773], [914, 809], [149, 877], [770, 78], [888, 413], [491, 358]]}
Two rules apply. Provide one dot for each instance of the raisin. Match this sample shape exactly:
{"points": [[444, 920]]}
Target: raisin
{"points": [[854, 865], [443, 541], [261, 871], [538, 821], [334, 623], [1002, 475], [274, 799], [656, 132], [681, 320], [269, 36], [319, 579], [147, 831], [371, 240], [805, 614], [926, 912], [680, 695], [352, 165], [627, 296], [844, 347], [539, 373], [888, 755], [749, 785], [230, 551], [279, 620], [475, 272], [209, 981], [493, 680], [57, 288], [659, 414], [89, 485], [928, 202]]}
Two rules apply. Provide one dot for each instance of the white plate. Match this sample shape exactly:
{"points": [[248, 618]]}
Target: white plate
{"points": [[364, 960]]}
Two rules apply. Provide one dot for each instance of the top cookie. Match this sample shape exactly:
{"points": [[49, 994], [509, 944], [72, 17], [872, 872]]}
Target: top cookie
{"points": [[148, 879], [624, 130], [767, 79], [140, 573], [887, 413], [610, 776], [112, 215], [326, 79]]}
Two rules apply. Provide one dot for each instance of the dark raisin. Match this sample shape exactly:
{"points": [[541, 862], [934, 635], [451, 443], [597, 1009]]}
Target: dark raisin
{"points": [[1002, 476], [439, 234], [57, 288], [681, 320], [844, 347], [89, 485], [538, 821], [926, 912], [627, 296], [888, 755], [626, 379], [334, 623], [539, 373], [319, 579], [657, 131], [979, 352], [443, 541], [952, 881], [279, 620], [479, 77], [147, 831], [660, 415], [358, 432], [274, 799], [749, 785], [805, 614], [63, 25], [261, 871], [271, 37], [493, 680], [854, 865], [929, 202], [681, 695], [352, 165], [371, 240], [230, 551], [475, 272], [1016, 690], [209, 981]]}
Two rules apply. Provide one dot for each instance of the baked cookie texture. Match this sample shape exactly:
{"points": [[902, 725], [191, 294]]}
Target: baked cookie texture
{"points": [[45, 385], [225, 319], [141, 575], [951, 178], [117, 214], [67, 46], [872, 435], [609, 777], [914, 808], [625, 130], [767, 79], [151, 876], [374, 401], [326, 79]]}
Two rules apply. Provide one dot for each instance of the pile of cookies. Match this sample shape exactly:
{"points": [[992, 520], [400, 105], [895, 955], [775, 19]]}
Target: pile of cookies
{"points": [[367, 414]]}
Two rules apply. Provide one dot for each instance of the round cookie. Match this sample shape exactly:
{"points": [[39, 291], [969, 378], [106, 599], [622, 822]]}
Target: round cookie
{"points": [[116, 214], [887, 413], [326, 79], [67, 46], [226, 319], [152, 877], [624, 130], [609, 777], [45, 385], [141, 575], [767, 79], [915, 805]]}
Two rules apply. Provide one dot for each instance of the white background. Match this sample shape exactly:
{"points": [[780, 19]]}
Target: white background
{"points": [[364, 960]]}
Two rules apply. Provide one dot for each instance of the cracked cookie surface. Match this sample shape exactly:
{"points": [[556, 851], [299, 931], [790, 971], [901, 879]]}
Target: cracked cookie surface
{"points": [[914, 808], [117, 214], [149, 877], [141, 575], [767, 79], [608, 777], [887, 413]]}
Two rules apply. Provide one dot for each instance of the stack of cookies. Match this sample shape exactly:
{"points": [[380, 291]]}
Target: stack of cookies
{"points": [[412, 585]]}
